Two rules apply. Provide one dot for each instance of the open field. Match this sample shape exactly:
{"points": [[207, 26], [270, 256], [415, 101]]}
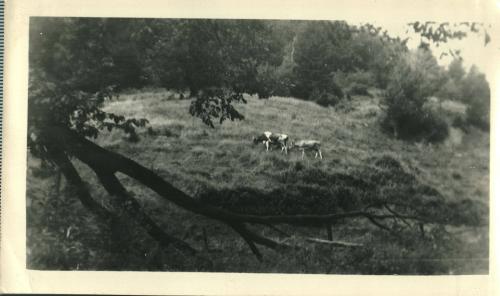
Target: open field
{"points": [[197, 159]]}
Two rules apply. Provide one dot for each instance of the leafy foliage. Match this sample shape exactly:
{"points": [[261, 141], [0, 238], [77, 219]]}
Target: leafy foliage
{"points": [[456, 70], [476, 93], [216, 103], [376, 53], [321, 50], [416, 77], [470, 88], [75, 65], [443, 32]]}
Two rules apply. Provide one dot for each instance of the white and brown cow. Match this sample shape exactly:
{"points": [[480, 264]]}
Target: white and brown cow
{"points": [[310, 145], [270, 139]]}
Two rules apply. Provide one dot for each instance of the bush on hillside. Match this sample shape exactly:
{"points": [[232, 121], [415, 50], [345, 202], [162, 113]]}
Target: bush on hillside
{"points": [[358, 89], [471, 89], [456, 70], [461, 123], [325, 99], [355, 83], [358, 77], [478, 115], [415, 78], [476, 94], [450, 90]]}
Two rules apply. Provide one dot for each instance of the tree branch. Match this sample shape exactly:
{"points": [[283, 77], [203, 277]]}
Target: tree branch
{"points": [[241, 230], [73, 178], [397, 215], [133, 208], [114, 187]]}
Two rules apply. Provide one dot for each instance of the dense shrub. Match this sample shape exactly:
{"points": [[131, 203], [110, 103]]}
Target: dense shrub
{"points": [[460, 122], [358, 77], [478, 114], [355, 83], [456, 70], [471, 89], [415, 78], [325, 98], [476, 94], [450, 90], [358, 89]]}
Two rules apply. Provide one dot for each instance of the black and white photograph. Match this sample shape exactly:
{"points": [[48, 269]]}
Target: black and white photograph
{"points": [[264, 148], [257, 146]]}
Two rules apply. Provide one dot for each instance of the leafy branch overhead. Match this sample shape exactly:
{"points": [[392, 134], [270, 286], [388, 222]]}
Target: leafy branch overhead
{"points": [[438, 33]]}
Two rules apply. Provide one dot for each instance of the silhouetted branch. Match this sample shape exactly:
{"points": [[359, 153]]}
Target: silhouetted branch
{"points": [[133, 208], [74, 179], [241, 230]]}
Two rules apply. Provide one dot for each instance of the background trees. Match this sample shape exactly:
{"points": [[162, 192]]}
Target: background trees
{"points": [[216, 61], [321, 49]]}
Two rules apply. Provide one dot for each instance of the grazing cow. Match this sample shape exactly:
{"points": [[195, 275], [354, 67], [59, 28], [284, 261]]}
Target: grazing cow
{"points": [[264, 138], [268, 138], [304, 145], [280, 140]]}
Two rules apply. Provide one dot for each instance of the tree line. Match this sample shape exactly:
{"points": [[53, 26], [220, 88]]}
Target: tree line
{"points": [[216, 61]]}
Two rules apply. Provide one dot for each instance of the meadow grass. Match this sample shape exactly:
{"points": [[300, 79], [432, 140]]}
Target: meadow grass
{"points": [[197, 158]]}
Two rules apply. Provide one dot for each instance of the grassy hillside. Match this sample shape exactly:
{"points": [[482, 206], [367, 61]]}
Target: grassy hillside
{"points": [[198, 159]]}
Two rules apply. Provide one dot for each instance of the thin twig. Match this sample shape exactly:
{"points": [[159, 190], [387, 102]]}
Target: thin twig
{"points": [[335, 243], [397, 215]]}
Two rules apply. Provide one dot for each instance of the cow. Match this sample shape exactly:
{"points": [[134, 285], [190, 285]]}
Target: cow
{"points": [[304, 145], [280, 140], [263, 138], [269, 138]]}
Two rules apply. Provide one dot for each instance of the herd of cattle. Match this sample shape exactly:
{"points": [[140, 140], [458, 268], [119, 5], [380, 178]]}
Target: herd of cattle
{"points": [[270, 139]]}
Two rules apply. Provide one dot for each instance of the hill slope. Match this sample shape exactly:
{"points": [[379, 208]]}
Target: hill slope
{"points": [[199, 159], [350, 135]]}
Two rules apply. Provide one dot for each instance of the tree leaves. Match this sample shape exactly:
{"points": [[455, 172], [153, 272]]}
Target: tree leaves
{"points": [[215, 103], [443, 32]]}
